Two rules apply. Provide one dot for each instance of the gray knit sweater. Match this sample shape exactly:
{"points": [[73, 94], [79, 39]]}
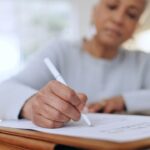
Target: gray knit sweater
{"points": [[127, 75]]}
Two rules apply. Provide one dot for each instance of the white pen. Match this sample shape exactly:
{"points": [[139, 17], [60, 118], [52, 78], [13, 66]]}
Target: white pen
{"points": [[59, 78]]}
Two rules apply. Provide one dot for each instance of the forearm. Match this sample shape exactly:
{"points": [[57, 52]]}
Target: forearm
{"points": [[13, 95]]}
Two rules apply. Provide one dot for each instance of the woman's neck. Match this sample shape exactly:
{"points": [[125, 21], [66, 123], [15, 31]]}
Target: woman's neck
{"points": [[98, 50]]}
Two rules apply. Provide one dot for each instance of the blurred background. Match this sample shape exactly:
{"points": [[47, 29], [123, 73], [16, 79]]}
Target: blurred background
{"points": [[27, 25]]}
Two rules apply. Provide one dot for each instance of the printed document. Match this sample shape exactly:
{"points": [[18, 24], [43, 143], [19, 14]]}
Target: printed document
{"points": [[118, 128]]}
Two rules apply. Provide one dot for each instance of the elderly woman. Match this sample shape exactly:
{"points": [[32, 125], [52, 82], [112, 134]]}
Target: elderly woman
{"points": [[112, 78]]}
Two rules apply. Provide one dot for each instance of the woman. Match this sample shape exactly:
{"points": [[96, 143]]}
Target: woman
{"points": [[113, 79]]}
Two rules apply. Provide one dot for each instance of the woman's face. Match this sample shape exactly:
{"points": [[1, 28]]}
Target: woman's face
{"points": [[116, 20]]}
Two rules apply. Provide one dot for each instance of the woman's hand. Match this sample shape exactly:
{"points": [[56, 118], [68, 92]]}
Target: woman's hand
{"points": [[111, 105], [54, 105]]}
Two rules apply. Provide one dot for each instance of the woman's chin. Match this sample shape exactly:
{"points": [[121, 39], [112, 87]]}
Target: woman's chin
{"points": [[109, 41]]}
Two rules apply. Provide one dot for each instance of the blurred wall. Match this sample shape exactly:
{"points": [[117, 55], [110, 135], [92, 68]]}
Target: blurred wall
{"points": [[83, 10]]}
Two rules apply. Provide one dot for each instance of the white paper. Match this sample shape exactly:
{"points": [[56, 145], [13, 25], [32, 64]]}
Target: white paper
{"points": [[119, 128]]}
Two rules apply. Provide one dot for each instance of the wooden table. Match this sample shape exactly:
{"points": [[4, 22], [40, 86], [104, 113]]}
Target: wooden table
{"points": [[15, 139]]}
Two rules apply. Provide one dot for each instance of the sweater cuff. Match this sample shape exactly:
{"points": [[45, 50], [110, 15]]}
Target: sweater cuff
{"points": [[13, 96], [138, 101]]}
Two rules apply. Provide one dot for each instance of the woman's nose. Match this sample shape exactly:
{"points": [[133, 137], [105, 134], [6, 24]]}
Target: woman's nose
{"points": [[119, 17]]}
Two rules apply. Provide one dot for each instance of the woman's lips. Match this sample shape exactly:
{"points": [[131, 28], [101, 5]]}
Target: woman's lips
{"points": [[113, 32]]}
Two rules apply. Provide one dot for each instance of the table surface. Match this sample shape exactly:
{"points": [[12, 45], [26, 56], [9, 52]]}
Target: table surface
{"points": [[33, 140]]}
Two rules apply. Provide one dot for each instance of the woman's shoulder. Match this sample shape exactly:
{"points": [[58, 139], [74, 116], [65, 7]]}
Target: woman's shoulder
{"points": [[64, 46], [135, 54], [58, 48]]}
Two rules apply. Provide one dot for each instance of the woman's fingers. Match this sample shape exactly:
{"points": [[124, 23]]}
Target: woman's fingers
{"points": [[95, 107], [64, 92], [115, 104], [111, 105], [54, 105], [83, 99], [53, 114], [62, 106], [46, 123]]}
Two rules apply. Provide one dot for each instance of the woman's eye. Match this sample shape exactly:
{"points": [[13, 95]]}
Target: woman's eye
{"points": [[112, 6], [133, 16]]}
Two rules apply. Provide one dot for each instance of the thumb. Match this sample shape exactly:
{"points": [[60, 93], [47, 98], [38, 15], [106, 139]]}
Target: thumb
{"points": [[83, 100]]}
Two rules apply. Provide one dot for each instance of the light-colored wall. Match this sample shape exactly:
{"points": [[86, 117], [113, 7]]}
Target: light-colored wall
{"points": [[83, 12]]}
